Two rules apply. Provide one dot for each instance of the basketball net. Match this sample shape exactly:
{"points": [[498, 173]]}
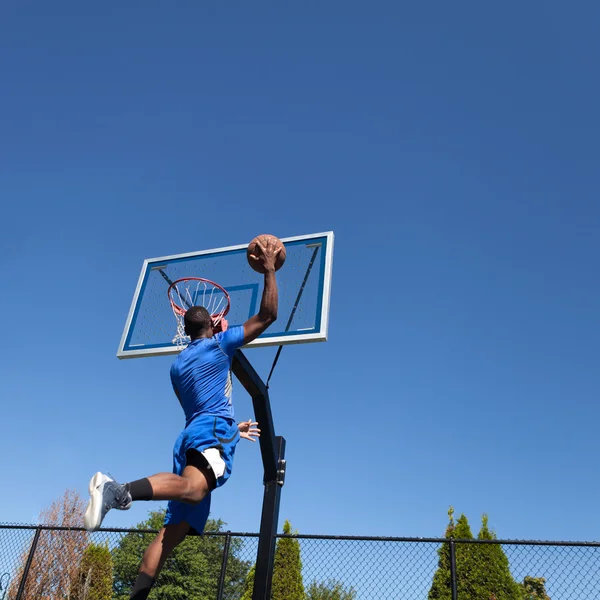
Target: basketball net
{"points": [[196, 291]]}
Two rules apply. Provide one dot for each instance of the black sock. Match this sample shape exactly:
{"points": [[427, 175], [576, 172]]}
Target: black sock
{"points": [[142, 586], [141, 489]]}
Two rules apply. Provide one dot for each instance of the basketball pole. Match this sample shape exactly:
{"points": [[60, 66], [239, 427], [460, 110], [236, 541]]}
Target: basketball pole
{"points": [[272, 449]]}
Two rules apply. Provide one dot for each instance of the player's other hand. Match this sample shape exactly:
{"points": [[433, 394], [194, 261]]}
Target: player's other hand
{"points": [[249, 430], [268, 252]]}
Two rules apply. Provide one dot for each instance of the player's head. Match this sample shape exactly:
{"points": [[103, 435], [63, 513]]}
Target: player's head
{"points": [[197, 322]]}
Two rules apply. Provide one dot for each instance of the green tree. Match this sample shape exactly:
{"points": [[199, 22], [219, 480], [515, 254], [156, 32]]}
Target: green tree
{"points": [[440, 588], [94, 577], [330, 590], [287, 571], [190, 573], [466, 557], [491, 572], [482, 570], [249, 584], [534, 588]]}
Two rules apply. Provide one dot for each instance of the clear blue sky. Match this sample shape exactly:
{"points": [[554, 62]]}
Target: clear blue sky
{"points": [[452, 147]]}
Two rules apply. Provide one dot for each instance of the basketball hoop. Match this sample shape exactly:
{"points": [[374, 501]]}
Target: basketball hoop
{"points": [[197, 291]]}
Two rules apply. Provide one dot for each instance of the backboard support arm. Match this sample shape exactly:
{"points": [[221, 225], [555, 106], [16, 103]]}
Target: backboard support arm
{"points": [[272, 450]]}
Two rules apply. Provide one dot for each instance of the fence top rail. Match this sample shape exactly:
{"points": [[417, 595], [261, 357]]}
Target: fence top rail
{"points": [[305, 536], [42, 527], [437, 540]]}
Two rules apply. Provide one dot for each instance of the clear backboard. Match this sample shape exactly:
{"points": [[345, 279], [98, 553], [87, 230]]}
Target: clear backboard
{"points": [[304, 284]]}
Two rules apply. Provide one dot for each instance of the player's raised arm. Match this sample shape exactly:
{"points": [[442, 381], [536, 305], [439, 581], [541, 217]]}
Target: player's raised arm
{"points": [[265, 259]]}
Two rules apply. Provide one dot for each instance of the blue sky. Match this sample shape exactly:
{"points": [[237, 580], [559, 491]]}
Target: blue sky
{"points": [[453, 149]]}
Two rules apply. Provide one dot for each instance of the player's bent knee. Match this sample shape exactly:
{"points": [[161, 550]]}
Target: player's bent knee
{"points": [[197, 493], [197, 486]]}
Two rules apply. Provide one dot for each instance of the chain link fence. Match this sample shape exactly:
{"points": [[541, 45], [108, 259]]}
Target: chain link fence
{"points": [[45, 563], [429, 568]]}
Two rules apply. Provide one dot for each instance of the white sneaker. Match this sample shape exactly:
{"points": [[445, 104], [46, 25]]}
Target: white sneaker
{"points": [[105, 493]]}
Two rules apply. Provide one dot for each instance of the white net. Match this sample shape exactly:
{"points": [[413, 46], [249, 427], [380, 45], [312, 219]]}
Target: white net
{"points": [[195, 291]]}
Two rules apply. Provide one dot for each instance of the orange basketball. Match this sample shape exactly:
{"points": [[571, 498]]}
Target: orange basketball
{"points": [[254, 249]]}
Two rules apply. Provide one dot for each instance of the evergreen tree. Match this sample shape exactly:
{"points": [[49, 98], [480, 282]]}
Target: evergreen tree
{"points": [[94, 578], [330, 590], [491, 572], [287, 572], [482, 570], [249, 584], [440, 588], [466, 559]]}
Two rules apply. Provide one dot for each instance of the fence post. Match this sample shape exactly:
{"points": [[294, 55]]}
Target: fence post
{"points": [[34, 544], [224, 566], [453, 570]]}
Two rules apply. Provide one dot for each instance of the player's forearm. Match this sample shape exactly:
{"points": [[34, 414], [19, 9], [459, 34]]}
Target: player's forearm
{"points": [[270, 298]]}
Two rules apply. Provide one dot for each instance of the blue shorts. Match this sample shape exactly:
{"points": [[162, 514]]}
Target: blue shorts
{"points": [[202, 434]]}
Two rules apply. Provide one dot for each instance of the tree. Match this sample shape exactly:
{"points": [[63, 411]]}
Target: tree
{"points": [[190, 573], [58, 553], [440, 588], [534, 588], [466, 557], [94, 579], [330, 590], [482, 570], [249, 584], [287, 576], [287, 570], [491, 571]]}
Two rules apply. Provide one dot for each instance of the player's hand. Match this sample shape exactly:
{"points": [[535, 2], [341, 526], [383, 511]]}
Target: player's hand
{"points": [[249, 430], [268, 253]]}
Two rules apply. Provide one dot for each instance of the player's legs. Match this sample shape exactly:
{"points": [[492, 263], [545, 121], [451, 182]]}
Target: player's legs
{"points": [[202, 460], [191, 487], [176, 528], [155, 556]]}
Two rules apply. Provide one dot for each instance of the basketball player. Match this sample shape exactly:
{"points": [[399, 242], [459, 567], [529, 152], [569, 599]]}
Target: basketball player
{"points": [[203, 453]]}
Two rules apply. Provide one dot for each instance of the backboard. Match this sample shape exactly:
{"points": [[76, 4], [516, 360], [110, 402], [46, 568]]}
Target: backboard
{"points": [[304, 284]]}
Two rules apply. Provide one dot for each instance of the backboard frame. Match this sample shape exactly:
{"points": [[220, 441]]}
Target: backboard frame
{"points": [[276, 340]]}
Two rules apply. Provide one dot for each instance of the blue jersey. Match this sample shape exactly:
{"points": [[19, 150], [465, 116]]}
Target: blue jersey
{"points": [[201, 375]]}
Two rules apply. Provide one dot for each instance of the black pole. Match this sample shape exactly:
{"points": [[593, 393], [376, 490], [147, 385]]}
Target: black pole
{"points": [[255, 386], [265, 556], [272, 450], [453, 570], [224, 566], [34, 544]]}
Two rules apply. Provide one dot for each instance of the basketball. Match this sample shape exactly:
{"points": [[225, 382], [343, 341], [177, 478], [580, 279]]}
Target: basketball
{"points": [[254, 249]]}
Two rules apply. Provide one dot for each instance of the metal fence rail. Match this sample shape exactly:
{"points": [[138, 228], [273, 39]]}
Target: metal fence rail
{"points": [[47, 563]]}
